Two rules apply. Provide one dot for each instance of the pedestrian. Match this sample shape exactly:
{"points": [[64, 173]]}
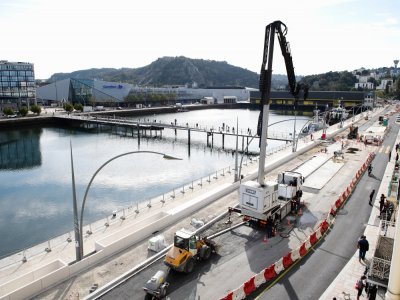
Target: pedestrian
{"points": [[397, 147], [363, 247], [397, 156], [381, 202], [371, 291], [390, 155], [360, 286], [270, 226], [371, 197], [311, 137]]}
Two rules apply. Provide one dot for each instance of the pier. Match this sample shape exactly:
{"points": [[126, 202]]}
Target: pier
{"points": [[150, 127]]}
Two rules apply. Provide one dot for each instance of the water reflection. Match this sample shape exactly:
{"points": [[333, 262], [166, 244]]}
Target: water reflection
{"points": [[20, 149]]}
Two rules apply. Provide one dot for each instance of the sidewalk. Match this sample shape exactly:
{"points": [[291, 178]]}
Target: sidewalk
{"points": [[343, 286], [13, 267]]}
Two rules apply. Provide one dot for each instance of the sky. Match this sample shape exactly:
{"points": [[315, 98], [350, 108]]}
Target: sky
{"points": [[324, 35]]}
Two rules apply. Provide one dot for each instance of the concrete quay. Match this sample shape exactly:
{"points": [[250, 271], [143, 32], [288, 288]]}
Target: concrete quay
{"points": [[111, 265]]}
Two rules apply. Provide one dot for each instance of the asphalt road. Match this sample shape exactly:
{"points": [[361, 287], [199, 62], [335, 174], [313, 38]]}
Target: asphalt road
{"points": [[312, 276]]}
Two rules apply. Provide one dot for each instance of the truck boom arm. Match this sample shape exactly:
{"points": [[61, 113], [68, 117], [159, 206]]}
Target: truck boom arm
{"points": [[280, 29]]}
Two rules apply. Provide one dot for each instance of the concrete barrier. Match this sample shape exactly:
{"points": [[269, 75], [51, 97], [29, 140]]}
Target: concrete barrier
{"points": [[34, 281]]}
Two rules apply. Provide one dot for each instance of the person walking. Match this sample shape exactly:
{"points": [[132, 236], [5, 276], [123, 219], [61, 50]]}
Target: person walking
{"points": [[270, 226], [371, 291], [360, 286], [390, 155], [363, 247], [381, 202], [371, 197]]}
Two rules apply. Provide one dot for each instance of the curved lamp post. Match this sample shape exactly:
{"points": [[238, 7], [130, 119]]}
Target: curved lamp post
{"points": [[78, 227], [238, 177]]}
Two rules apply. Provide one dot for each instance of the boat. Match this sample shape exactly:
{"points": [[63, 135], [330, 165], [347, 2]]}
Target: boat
{"points": [[317, 123], [336, 115]]}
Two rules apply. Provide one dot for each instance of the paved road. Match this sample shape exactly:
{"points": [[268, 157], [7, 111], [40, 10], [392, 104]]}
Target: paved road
{"points": [[312, 276]]}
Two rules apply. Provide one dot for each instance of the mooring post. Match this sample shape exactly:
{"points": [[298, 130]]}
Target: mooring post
{"points": [[138, 133], [223, 141]]}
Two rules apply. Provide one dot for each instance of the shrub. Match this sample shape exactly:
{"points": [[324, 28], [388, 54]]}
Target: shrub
{"points": [[36, 109], [23, 111]]}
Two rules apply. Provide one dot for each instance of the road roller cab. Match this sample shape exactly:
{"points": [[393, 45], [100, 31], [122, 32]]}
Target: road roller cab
{"points": [[187, 249]]}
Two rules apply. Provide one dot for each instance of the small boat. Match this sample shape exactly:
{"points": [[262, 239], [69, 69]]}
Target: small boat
{"points": [[317, 123]]}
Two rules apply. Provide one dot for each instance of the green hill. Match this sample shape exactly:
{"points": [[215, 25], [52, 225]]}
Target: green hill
{"points": [[173, 71]]}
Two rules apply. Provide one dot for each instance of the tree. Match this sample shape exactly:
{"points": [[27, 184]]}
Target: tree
{"points": [[8, 111], [23, 111], [36, 109], [78, 106], [68, 107]]}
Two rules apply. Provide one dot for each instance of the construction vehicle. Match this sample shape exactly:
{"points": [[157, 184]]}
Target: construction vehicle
{"points": [[156, 286], [257, 202], [187, 250], [289, 184], [260, 200], [353, 132]]}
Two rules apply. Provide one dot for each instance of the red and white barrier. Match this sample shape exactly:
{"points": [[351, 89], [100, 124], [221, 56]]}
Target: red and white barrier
{"points": [[286, 261]]}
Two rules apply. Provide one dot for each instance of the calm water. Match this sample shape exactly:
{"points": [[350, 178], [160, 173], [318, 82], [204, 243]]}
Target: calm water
{"points": [[35, 170]]}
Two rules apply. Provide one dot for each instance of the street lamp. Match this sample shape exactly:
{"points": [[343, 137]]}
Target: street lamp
{"points": [[238, 176], [78, 226]]}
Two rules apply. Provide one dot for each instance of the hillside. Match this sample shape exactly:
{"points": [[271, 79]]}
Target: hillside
{"points": [[173, 71]]}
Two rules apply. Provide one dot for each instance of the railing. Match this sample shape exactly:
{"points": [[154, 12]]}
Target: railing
{"points": [[379, 268]]}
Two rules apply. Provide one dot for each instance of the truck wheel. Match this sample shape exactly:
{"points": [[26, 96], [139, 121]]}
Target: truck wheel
{"points": [[189, 265]]}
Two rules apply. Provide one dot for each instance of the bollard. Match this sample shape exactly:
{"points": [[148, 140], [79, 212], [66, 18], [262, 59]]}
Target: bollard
{"points": [[216, 175], [163, 199], [173, 194], [106, 223], [209, 178], [24, 260], [48, 248], [123, 214], [149, 204], [229, 170], [69, 240], [191, 187], [223, 172], [89, 231], [201, 182], [183, 189], [137, 208]]}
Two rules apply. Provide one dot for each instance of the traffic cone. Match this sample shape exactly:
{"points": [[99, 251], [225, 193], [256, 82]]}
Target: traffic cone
{"points": [[265, 240]]}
